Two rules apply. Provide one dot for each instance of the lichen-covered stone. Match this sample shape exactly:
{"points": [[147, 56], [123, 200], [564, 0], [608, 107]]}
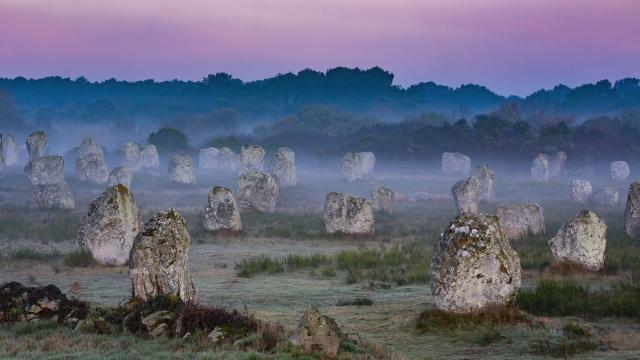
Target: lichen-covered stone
{"points": [[221, 212], [181, 169], [348, 214], [9, 151], [455, 164], [540, 168], [283, 167], [607, 197], [619, 170], [208, 158], [357, 166], [120, 175], [131, 156], [53, 196], [486, 183], [580, 191], [150, 160], [473, 266], [557, 163], [518, 220], [466, 195], [581, 240], [109, 228], [317, 333], [632, 210], [90, 164], [158, 262], [383, 199], [45, 170], [252, 157], [257, 191], [36, 143]]}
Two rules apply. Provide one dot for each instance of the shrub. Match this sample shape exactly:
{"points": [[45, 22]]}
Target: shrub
{"points": [[434, 319], [79, 258], [169, 140], [30, 254]]}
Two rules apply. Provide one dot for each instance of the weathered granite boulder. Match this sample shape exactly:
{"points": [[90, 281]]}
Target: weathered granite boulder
{"points": [[45, 170], [632, 210], [466, 195], [109, 228], [383, 199], [317, 333], [540, 168], [473, 266], [580, 191], [9, 151], [557, 163], [150, 160], [348, 214], [518, 220], [228, 160], [181, 169], [252, 157], [581, 240], [158, 262], [257, 191], [357, 166], [486, 183], [221, 212], [90, 164], [607, 197], [53, 196], [131, 156], [120, 175], [283, 167], [619, 170], [455, 164], [35, 144], [208, 158]]}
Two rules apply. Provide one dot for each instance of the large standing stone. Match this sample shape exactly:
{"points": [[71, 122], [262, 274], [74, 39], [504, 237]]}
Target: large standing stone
{"points": [[158, 262], [120, 175], [581, 240], [580, 191], [228, 160], [455, 164], [257, 191], [619, 170], [45, 170], [466, 195], [557, 163], [181, 169], [10, 151], [607, 196], [540, 168], [150, 160], [36, 143], [473, 266], [208, 158], [53, 196], [357, 166], [518, 220], [486, 183], [348, 214], [90, 164], [383, 199], [252, 157], [110, 226], [282, 166], [318, 333], [632, 211], [131, 156], [222, 212]]}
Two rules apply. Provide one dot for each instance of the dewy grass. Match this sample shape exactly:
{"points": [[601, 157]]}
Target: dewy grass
{"points": [[265, 264], [40, 225], [30, 254], [79, 258]]}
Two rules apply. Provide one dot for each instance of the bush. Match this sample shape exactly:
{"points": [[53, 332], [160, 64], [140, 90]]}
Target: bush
{"points": [[79, 258], [169, 140], [435, 320], [30, 254]]}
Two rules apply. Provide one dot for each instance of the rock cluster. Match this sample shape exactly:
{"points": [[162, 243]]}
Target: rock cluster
{"points": [[466, 195], [252, 157], [317, 333], [158, 262], [181, 169], [348, 214], [632, 210], [9, 151], [358, 166], [131, 156], [257, 191], [619, 170], [150, 160], [21, 303], [120, 175], [580, 191], [383, 199], [90, 164], [518, 220], [540, 168], [283, 167], [581, 240], [473, 266], [221, 212], [109, 228], [606, 197], [455, 164], [486, 183], [35, 144]]}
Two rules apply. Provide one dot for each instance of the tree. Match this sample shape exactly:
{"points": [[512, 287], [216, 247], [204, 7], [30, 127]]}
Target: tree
{"points": [[169, 140]]}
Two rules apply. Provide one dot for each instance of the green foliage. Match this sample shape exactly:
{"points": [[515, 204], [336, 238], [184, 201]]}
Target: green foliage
{"points": [[360, 301], [44, 226], [31, 254], [264, 264], [436, 320], [169, 140], [79, 258]]}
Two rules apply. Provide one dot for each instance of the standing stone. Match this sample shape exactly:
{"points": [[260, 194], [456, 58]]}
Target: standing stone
{"points": [[45, 170], [10, 151], [208, 158], [632, 210], [150, 160], [252, 157], [90, 164], [120, 175], [282, 166], [383, 199], [110, 226], [557, 164], [257, 191], [607, 196], [357, 166], [318, 333], [455, 164], [518, 220], [486, 183], [181, 169], [228, 160], [581, 240], [348, 214], [131, 156], [466, 195], [580, 191], [158, 262], [619, 170], [222, 212], [1, 155], [53, 196], [36, 143], [540, 168], [473, 266]]}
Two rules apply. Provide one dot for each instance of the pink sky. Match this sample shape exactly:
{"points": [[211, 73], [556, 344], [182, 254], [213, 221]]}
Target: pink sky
{"points": [[511, 46]]}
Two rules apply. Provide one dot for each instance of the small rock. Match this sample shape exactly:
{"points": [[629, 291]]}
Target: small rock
{"points": [[580, 191], [181, 169], [540, 168], [607, 197], [222, 212], [581, 240], [120, 175], [632, 210], [53, 196], [150, 160], [619, 170], [348, 214], [383, 199], [466, 195], [252, 157], [257, 191], [518, 220], [318, 333], [283, 167], [486, 183], [131, 156], [358, 166]]}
